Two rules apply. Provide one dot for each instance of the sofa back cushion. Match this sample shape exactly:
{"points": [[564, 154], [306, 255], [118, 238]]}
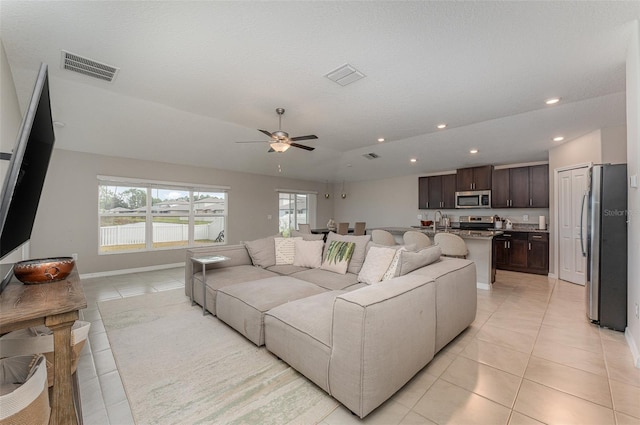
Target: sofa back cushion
{"points": [[357, 259], [410, 261], [262, 251]]}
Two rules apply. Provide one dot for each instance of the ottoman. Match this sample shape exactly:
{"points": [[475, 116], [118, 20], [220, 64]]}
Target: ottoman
{"points": [[242, 306]]}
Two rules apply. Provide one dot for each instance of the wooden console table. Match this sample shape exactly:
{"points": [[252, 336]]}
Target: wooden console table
{"points": [[55, 305]]}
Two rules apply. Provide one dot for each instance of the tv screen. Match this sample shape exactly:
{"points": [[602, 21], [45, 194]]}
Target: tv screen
{"points": [[27, 169]]}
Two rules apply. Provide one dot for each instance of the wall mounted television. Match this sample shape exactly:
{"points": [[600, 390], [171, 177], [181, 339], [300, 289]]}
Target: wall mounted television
{"points": [[27, 170]]}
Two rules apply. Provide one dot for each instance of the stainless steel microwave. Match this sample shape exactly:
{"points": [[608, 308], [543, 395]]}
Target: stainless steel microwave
{"points": [[473, 199]]}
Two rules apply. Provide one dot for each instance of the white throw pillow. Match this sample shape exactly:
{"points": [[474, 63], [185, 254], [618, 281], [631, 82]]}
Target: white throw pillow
{"points": [[410, 261], [376, 264], [285, 250], [393, 267], [308, 253]]}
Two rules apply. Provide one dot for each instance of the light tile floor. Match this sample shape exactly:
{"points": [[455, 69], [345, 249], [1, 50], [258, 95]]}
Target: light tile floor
{"points": [[530, 357]]}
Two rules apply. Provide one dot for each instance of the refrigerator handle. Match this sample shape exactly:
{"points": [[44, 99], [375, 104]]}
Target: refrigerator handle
{"points": [[584, 197]]}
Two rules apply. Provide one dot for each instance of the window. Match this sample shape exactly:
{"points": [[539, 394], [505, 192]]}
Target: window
{"points": [[143, 216], [294, 209]]}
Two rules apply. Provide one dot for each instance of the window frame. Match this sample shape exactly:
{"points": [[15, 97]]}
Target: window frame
{"points": [[149, 214], [311, 207]]}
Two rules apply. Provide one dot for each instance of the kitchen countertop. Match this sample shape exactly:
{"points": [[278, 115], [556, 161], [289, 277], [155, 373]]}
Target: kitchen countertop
{"points": [[465, 234]]}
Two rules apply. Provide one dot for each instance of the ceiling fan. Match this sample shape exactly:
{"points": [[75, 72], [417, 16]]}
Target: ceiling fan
{"points": [[280, 140]]}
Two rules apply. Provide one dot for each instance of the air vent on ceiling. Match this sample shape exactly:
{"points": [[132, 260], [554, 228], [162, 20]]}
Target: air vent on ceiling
{"points": [[344, 75], [371, 155], [89, 67]]}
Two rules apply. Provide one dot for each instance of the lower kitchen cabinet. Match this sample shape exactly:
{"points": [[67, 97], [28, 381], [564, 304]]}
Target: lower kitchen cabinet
{"points": [[522, 252]]}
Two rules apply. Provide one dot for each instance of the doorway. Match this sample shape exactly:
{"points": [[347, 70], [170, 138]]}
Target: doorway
{"points": [[572, 186]]}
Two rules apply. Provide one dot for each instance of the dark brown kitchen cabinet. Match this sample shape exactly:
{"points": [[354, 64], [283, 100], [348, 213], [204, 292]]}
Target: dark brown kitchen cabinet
{"points": [[522, 252], [436, 192], [538, 253], [521, 187], [474, 178]]}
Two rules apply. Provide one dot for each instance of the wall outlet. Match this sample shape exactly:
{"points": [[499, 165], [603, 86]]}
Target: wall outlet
{"points": [[525, 217], [419, 216], [269, 216], [637, 312], [74, 256]]}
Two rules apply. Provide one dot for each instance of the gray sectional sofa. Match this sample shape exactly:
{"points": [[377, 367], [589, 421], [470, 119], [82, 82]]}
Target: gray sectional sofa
{"points": [[360, 343]]}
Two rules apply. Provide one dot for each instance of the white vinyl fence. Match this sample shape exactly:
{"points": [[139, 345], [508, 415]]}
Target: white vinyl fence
{"points": [[134, 233]]}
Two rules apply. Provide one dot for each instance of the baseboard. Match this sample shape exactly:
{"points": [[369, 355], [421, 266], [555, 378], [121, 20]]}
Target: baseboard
{"points": [[128, 271], [484, 286], [633, 346], [552, 276]]}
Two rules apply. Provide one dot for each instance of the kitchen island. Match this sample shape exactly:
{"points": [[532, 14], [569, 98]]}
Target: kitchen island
{"points": [[479, 244]]}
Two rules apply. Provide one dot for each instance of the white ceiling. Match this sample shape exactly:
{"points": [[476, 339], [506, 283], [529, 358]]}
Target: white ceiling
{"points": [[197, 76]]}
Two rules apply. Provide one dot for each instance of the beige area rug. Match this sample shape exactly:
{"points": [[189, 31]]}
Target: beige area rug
{"points": [[179, 367]]}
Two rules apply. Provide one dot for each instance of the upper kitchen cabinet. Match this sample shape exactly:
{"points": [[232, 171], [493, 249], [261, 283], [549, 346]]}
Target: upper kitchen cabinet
{"points": [[437, 191], [521, 187], [474, 178]]}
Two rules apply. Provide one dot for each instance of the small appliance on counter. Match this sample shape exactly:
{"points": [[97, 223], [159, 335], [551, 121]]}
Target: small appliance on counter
{"points": [[508, 224]]}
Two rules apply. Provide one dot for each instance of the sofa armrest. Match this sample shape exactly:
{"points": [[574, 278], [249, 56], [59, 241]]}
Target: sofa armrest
{"points": [[382, 336], [238, 254]]}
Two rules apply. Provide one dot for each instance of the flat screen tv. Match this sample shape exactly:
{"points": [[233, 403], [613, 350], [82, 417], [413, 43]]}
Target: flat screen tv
{"points": [[27, 170]]}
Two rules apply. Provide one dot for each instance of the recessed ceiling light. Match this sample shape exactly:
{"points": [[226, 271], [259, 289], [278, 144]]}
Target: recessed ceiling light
{"points": [[473, 151], [552, 101], [558, 139], [381, 139], [413, 160], [441, 126]]}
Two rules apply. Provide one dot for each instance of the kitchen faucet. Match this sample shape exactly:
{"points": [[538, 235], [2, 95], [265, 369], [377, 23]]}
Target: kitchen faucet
{"points": [[435, 216]]}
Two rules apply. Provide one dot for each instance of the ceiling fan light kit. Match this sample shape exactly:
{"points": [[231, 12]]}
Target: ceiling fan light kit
{"points": [[280, 140]]}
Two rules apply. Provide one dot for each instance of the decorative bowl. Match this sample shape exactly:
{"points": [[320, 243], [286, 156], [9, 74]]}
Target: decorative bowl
{"points": [[426, 223], [44, 270]]}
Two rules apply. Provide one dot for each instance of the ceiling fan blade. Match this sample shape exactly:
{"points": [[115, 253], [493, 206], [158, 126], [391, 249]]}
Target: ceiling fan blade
{"points": [[271, 150], [254, 141], [265, 132], [308, 148], [309, 137]]}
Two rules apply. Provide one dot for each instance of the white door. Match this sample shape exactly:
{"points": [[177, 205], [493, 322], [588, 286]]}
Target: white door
{"points": [[572, 184]]}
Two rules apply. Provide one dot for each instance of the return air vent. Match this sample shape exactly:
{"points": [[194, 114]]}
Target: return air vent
{"points": [[89, 67], [371, 155], [346, 74]]}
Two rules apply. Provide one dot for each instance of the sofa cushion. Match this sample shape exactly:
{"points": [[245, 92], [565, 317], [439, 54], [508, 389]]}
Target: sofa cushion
{"points": [[338, 255], [376, 264], [285, 250], [308, 253], [262, 252], [410, 261], [286, 269], [327, 279], [242, 306], [217, 278], [357, 259], [299, 333]]}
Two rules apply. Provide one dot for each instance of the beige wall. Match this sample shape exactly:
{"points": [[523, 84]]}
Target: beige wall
{"points": [[67, 219], [633, 168], [614, 145]]}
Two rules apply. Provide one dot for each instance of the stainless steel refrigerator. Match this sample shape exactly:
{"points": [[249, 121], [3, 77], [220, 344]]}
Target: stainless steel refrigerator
{"points": [[605, 245]]}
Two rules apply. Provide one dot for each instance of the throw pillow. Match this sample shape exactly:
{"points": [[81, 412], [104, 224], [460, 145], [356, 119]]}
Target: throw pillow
{"points": [[376, 264], [285, 250], [308, 253], [409, 261], [393, 267], [359, 251], [262, 252], [338, 255]]}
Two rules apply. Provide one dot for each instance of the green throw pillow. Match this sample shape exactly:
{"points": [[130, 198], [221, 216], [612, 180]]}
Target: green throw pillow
{"points": [[338, 255]]}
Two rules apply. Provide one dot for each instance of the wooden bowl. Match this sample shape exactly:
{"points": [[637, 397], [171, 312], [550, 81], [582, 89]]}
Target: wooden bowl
{"points": [[44, 270], [426, 223]]}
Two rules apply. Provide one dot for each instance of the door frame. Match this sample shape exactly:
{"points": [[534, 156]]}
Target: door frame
{"points": [[556, 215]]}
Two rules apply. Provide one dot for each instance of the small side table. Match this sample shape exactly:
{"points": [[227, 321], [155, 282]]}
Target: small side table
{"points": [[204, 261]]}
